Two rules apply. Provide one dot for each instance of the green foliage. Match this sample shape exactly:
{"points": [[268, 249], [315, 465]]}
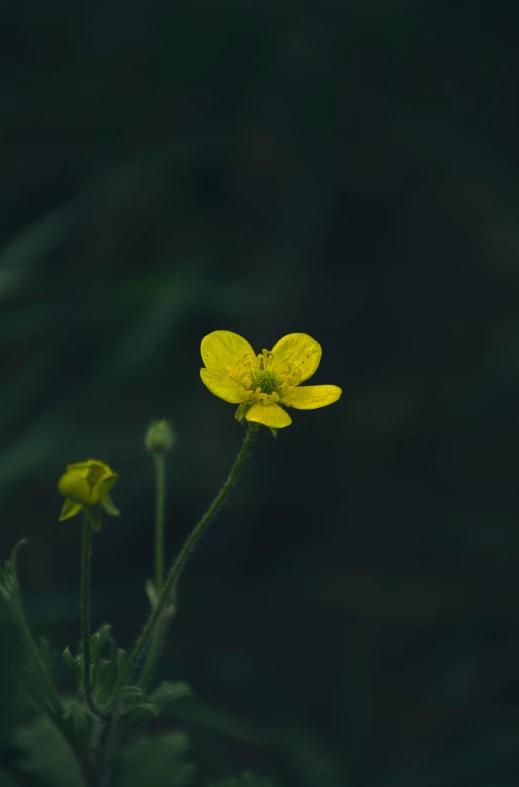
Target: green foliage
{"points": [[158, 761], [46, 754], [10, 654], [168, 693], [245, 780], [6, 780], [8, 575]]}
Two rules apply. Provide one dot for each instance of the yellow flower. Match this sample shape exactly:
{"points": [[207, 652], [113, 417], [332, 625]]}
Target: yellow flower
{"points": [[261, 383], [86, 484]]}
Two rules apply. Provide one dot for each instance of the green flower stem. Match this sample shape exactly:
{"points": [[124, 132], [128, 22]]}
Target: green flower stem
{"points": [[160, 500], [157, 640], [86, 560], [190, 543], [159, 632]]}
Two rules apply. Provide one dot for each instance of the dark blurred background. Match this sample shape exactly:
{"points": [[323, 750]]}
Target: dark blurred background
{"points": [[348, 169]]}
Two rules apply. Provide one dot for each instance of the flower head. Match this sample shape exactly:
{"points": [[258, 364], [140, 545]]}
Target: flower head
{"points": [[160, 437], [259, 384], [87, 483]]}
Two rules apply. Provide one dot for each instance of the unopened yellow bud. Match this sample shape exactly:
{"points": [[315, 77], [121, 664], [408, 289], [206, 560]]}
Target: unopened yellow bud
{"points": [[87, 484]]}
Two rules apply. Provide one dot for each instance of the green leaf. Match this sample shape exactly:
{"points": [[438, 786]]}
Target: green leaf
{"points": [[168, 693], [48, 654], [46, 754], [81, 720], [93, 515], [11, 657], [140, 705], [241, 410], [129, 692], [199, 714], [158, 761], [122, 663], [8, 575], [72, 663], [109, 506], [245, 780], [105, 680], [149, 587], [104, 670], [6, 780]]}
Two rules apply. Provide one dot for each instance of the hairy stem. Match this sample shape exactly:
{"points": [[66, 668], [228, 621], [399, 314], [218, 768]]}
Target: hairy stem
{"points": [[159, 632], [178, 564], [160, 501], [86, 669]]}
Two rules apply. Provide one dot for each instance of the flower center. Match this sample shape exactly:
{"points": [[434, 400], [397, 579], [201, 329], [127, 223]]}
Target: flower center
{"points": [[262, 384], [267, 382]]}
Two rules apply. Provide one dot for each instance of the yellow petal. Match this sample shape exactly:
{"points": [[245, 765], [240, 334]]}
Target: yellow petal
{"points": [[92, 469], [103, 486], [69, 509], [83, 468], [221, 350], [74, 486], [222, 386], [271, 415], [297, 349], [310, 397]]}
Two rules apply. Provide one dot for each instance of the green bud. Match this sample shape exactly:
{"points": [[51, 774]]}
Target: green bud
{"points": [[160, 437]]}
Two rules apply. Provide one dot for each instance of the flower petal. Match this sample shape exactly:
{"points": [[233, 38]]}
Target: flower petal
{"points": [[271, 415], [102, 487], [74, 485], [69, 509], [222, 386], [223, 349], [297, 349], [310, 397], [92, 469]]}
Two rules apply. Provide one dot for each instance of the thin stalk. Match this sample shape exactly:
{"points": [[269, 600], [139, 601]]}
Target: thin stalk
{"points": [[190, 543], [160, 505], [157, 640], [159, 632], [86, 561]]}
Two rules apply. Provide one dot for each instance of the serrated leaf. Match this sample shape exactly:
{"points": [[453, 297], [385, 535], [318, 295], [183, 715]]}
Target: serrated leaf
{"points": [[130, 692], [158, 761], [46, 755], [139, 705], [167, 693]]}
